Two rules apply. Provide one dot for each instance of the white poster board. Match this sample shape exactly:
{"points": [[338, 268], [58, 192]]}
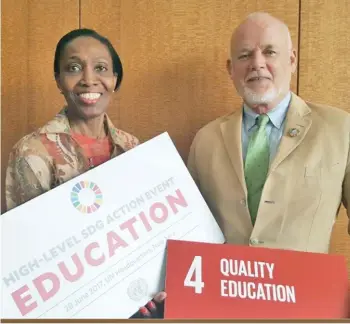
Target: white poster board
{"points": [[94, 247]]}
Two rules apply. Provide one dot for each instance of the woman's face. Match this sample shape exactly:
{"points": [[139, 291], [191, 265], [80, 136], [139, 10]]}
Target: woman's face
{"points": [[86, 77]]}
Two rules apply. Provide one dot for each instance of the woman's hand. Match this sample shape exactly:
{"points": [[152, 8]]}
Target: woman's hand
{"points": [[154, 308]]}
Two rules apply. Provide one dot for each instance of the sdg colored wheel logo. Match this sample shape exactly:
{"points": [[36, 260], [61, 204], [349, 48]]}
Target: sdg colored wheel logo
{"points": [[86, 196]]}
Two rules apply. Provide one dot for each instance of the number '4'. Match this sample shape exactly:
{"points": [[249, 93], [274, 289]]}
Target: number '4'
{"points": [[194, 275]]}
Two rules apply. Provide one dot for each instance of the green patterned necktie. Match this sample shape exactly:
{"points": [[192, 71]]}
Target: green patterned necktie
{"points": [[257, 165]]}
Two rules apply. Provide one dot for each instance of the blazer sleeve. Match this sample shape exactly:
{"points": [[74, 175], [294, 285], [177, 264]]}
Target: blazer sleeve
{"points": [[346, 188]]}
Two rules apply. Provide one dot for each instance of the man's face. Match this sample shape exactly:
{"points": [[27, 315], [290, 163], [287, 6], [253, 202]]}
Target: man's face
{"points": [[262, 63]]}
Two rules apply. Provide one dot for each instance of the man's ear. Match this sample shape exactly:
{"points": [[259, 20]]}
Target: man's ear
{"points": [[293, 60], [229, 68]]}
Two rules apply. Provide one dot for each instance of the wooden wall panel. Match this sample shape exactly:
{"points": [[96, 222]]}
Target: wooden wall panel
{"points": [[14, 78], [30, 31], [48, 21], [324, 73], [174, 54]]}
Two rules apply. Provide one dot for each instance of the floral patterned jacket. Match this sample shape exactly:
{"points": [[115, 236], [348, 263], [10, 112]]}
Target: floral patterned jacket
{"points": [[50, 156]]}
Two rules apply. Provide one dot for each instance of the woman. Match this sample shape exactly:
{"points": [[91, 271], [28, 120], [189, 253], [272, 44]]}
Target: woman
{"points": [[87, 71]]}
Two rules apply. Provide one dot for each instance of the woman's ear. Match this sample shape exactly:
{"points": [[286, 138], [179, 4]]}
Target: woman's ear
{"points": [[58, 82], [115, 79]]}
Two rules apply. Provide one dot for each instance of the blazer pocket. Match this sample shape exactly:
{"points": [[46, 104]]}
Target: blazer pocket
{"points": [[313, 171], [332, 178], [336, 168], [302, 204], [310, 186]]}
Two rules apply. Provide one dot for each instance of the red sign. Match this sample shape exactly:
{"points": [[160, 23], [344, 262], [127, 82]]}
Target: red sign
{"points": [[222, 281]]}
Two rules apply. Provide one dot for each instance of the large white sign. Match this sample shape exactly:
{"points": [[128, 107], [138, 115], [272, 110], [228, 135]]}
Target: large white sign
{"points": [[94, 247]]}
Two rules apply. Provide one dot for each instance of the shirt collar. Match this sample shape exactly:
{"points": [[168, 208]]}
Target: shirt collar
{"points": [[276, 115]]}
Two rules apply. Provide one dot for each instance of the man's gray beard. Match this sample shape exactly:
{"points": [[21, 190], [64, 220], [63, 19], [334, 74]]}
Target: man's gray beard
{"points": [[254, 98]]}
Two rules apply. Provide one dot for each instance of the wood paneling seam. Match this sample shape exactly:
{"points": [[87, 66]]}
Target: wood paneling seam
{"points": [[299, 48], [79, 7]]}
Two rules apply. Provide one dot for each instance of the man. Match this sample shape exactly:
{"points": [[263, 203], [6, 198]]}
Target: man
{"points": [[280, 184], [274, 172]]}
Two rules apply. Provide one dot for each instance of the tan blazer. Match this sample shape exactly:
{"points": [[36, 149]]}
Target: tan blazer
{"points": [[307, 180]]}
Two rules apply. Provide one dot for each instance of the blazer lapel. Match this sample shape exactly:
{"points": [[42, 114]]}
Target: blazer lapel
{"points": [[231, 130], [298, 118], [298, 123]]}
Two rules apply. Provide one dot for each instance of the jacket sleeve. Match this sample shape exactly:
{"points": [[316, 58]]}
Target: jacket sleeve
{"points": [[346, 190]]}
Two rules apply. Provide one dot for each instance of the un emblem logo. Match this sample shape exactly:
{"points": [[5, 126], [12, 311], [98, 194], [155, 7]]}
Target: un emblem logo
{"points": [[137, 289]]}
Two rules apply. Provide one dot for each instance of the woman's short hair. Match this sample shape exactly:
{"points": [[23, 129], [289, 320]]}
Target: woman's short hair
{"points": [[61, 45]]}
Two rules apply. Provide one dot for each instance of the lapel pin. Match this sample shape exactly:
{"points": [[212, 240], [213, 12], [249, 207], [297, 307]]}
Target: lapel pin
{"points": [[293, 132]]}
